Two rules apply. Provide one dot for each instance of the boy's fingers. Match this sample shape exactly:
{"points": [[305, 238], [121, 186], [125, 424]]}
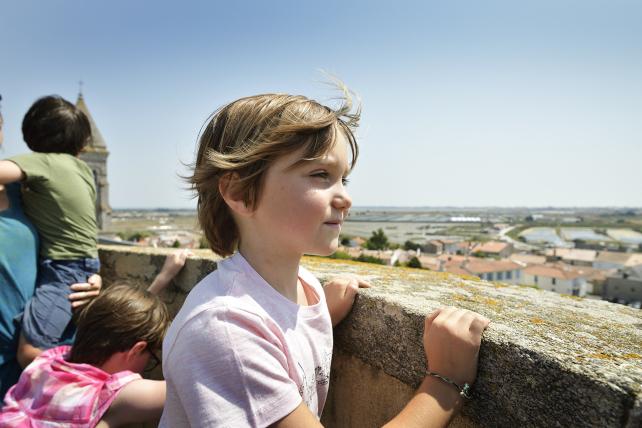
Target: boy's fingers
{"points": [[361, 283], [81, 295], [82, 286], [353, 286], [349, 286], [479, 324], [364, 284], [95, 279], [430, 318], [77, 303]]}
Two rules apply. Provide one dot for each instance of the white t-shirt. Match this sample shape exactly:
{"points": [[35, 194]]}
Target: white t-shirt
{"points": [[240, 354]]}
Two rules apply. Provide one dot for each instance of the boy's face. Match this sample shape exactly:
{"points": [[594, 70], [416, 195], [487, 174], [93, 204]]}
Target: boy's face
{"points": [[302, 206]]}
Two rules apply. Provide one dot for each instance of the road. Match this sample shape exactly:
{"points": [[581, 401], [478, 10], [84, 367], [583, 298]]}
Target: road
{"points": [[503, 235]]}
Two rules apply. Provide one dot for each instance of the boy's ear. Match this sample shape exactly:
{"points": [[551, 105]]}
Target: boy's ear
{"points": [[228, 187], [138, 348]]}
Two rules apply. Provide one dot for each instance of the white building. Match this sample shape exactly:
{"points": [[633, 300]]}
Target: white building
{"points": [[556, 278]]}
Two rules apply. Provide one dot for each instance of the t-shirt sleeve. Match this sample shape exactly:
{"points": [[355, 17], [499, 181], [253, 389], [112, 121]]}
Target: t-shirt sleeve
{"points": [[34, 165], [228, 368]]}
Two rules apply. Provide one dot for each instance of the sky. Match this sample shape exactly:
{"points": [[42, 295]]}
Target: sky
{"points": [[464, 103]]}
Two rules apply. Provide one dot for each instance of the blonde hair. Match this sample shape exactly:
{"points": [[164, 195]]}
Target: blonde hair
{"points": [[115, 320], [246, 136]]}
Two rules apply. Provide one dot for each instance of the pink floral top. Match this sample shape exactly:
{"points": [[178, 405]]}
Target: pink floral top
{"points": [[52, 392]]}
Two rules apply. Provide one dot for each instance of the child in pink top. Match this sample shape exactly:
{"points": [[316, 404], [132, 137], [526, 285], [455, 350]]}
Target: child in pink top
{"points": [[52, 390], [252, 345], [97, 382]]}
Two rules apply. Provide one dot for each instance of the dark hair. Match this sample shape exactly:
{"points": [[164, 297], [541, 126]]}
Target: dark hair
{"points": [[54, 125], [115, 320], [246, 136]]}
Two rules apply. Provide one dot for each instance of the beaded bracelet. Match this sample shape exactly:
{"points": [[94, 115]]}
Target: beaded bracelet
{"points": [[464, 391]]}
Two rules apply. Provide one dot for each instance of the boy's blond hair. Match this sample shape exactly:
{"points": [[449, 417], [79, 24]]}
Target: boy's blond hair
{"points": [[117, 319], [246, 136]]}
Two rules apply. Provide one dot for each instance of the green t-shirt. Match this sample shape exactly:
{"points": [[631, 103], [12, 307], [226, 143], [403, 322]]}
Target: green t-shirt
{"points": [[60, 199]]}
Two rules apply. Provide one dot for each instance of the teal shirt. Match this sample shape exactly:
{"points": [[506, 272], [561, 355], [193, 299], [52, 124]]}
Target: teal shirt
{"points": [[18, 267], [59, 197]]}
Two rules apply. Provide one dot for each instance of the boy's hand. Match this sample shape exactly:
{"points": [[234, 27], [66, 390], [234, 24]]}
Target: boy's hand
{"points": [[173, 264], [451, 342], [340, 294], [84, 292]]}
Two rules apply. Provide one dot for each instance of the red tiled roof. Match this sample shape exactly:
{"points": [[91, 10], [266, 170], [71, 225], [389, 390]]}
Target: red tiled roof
{"points": [[528, 259], [476, 265], [491, 247], [552, 271]]}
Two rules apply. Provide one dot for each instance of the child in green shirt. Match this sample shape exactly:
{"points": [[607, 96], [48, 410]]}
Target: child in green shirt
{"points": [[59, 198]]}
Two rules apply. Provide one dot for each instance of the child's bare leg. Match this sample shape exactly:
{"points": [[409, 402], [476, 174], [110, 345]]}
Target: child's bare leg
{"points": [[82, 293]]}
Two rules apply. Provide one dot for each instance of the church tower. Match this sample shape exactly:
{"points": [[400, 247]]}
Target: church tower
{"points": [[95, 155]]}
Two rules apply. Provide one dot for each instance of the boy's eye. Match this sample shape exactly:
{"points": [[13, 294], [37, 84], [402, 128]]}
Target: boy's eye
{"points": [[324, 175]]}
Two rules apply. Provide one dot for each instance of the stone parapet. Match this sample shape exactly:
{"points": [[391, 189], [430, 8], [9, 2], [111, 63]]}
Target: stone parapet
{"points": [[546, 359]]}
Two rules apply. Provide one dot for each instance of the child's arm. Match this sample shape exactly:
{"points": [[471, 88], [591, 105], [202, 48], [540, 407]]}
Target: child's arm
{"points": [[451, 342], [173, 264], [340, 294], [300, 417], [10, 172], [139, 401]]}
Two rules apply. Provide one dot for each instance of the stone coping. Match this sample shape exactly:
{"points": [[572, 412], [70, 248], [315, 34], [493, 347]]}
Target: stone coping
{"points": [[546, 359]]}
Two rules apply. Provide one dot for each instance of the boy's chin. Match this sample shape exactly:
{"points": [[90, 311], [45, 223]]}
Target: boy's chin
{"points": [[325, 252]]}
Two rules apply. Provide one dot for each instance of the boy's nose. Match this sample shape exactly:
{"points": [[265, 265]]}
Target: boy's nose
{"points": [[342, 200]]}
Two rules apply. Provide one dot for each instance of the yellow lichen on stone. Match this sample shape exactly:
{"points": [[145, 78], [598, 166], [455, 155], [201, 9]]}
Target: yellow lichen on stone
{"points": [[632, 356], [610, 356], [569, 296]]}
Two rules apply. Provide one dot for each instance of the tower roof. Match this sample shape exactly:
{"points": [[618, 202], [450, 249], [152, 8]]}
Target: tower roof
{"points": [[97, 141]]}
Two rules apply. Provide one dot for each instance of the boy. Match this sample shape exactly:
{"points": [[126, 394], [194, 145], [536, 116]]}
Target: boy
{"points": [[59, 198], [252, 345]]}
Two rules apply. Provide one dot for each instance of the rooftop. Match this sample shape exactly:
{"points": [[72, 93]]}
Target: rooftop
{"points": [[491, 247], [555, 271], [527, 259], [573, 254]]}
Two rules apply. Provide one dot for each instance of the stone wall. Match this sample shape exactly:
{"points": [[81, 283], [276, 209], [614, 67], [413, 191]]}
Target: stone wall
{"points": [[546, 359]]}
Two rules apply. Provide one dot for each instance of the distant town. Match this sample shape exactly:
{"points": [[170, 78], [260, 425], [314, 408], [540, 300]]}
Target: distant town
{"points": [[593, 253]]}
